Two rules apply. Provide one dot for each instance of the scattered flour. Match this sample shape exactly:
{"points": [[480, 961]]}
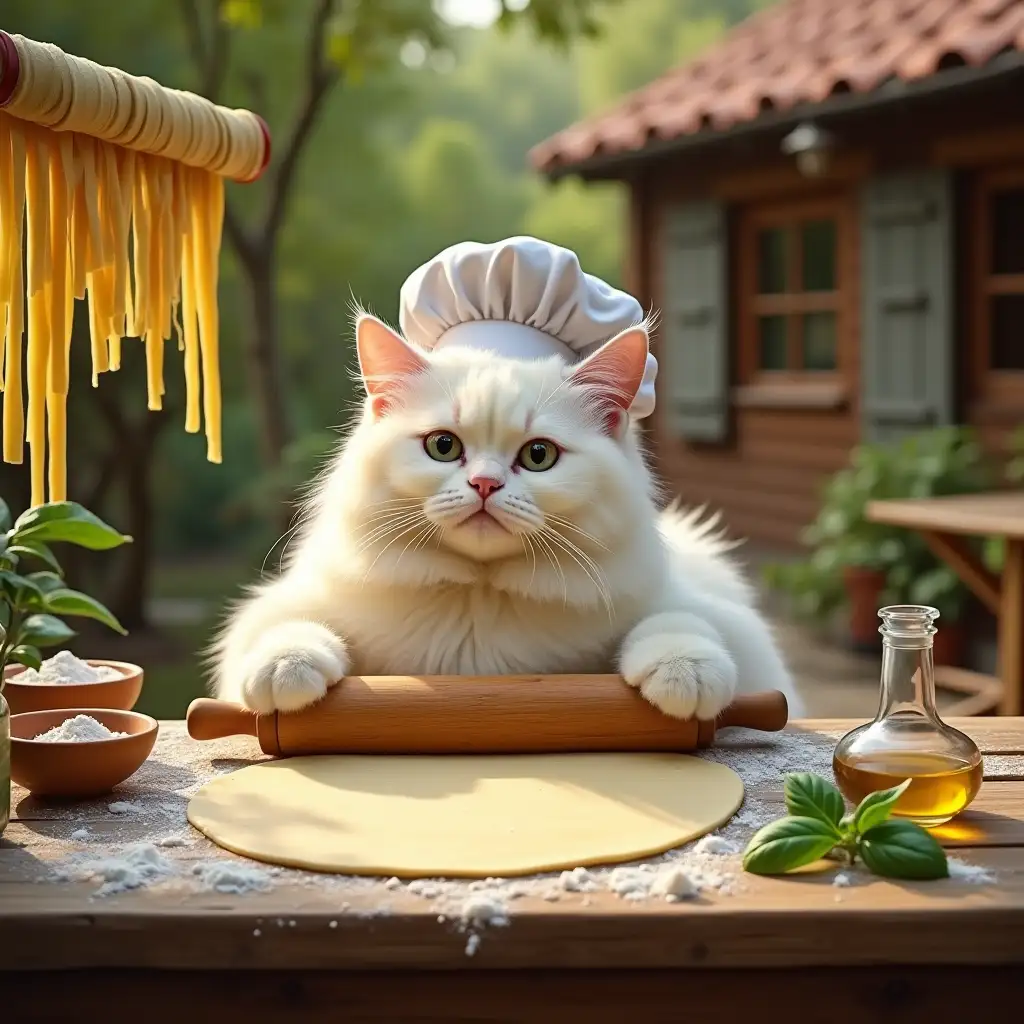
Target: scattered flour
{"points": [[578, 880], [674, 884], [80, 729], [964, 872], [172, 841], [125, 807], [231, 877], [137, 866], [80, 833], [65, 669], [472, 944], [484, 908]]}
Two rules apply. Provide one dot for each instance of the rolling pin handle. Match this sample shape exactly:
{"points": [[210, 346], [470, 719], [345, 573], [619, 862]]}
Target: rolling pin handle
{"points": [[208, 719], [766, 712]]}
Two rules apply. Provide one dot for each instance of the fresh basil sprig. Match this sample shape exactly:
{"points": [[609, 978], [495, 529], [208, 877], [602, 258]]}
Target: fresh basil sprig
{"points": [[817, 827]]}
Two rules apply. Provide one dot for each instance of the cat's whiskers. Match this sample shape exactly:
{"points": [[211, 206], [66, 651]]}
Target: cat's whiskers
{"points": [[408, 529], [566, 524], [588, 565], [556, 565], [380, 532]]}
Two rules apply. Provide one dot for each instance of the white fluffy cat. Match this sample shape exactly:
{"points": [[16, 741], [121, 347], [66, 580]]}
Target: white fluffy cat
{"points": [[487, 516]]}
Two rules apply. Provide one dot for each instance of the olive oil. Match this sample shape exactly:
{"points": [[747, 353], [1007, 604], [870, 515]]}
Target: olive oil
{"points": [[942, 785], [907, 739]]}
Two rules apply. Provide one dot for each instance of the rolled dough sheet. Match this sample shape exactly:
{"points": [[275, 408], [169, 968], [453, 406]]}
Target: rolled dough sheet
{"points": [[456, 816]]}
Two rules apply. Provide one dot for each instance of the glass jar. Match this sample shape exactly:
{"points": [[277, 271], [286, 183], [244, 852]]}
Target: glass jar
{"points": [[908, 739]]}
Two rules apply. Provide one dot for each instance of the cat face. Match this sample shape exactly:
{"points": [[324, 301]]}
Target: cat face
{"points": [[491, 458]]}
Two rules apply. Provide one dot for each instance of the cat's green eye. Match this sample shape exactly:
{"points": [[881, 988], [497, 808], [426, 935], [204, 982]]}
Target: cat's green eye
{"points": [[442, 446], [537, 456]]}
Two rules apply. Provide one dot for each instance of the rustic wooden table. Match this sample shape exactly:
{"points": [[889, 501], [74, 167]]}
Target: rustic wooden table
{"points": [[944, 523], [318, 948]]}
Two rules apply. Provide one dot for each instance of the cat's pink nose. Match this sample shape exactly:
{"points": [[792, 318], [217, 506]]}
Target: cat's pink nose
{"points": [[485, 485]]}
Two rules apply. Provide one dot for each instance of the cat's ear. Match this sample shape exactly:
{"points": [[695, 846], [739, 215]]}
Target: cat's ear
{"points": [[613, 375], [386, 361]]}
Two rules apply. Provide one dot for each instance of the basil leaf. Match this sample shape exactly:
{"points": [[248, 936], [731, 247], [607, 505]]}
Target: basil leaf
{"points": [[26, 655], [811, 796], [38, 550], [72, 602], [876, 807], [44, 631], [5, 516], [901, 849], [787, 844], [66, 521]]}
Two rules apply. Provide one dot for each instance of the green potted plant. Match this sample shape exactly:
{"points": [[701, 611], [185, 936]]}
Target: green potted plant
{"points": [[859, 565], [31, 602]]}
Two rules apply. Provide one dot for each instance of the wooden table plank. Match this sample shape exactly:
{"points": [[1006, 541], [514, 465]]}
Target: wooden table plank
{"points": [[788, 922], [765, 923], [999, 513]]}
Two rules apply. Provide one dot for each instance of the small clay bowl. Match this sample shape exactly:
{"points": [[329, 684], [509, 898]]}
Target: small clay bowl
{"points": [[119, 694], [78, 769]]}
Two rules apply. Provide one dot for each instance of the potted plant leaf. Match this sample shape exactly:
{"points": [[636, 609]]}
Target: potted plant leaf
{"points": [[858, 565], [34, 596]]}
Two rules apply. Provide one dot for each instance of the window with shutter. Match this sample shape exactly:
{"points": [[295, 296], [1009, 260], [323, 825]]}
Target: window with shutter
{"points": [[907, 358], [793, 290], [997, 294], [693, 333]]}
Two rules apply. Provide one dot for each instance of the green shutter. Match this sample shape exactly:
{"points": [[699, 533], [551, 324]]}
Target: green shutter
{"points": [[907, 331], [693, 350]]}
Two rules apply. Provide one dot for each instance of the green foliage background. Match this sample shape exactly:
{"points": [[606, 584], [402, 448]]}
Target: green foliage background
{"points": [[418, 148]]}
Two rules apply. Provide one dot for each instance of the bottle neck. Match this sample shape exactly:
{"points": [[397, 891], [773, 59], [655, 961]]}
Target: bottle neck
{"points": [[908, 681]]}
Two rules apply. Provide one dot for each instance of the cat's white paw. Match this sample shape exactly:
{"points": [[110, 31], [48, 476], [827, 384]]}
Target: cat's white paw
{"points": [[291, 667], [683, 675]]}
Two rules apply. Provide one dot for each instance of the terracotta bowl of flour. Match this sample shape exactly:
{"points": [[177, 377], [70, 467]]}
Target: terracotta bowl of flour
{"points": [[82, 759], [120, 692]]}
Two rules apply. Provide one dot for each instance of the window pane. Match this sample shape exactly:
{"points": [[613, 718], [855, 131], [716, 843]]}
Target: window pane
{"points": [[818, 245], [773, 343], [772, 247], [1008, 232], [819, 341], [1008, 332]]}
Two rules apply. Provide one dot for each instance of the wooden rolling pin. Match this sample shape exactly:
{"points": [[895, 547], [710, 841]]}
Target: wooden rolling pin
{"points": [[479, 715]]}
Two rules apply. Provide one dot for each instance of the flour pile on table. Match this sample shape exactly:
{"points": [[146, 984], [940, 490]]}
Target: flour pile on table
{"points": [[80, 729], [153, 845], [64, 669]]}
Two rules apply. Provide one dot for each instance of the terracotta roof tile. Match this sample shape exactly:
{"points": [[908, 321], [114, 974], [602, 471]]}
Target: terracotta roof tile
{"points": [[800, 51]]}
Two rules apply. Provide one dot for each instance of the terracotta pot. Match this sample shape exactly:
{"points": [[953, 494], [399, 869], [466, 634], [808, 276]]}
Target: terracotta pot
{"points": [[949, 646], [863, 594], [118, 694], [89, 768], [5, 764]]}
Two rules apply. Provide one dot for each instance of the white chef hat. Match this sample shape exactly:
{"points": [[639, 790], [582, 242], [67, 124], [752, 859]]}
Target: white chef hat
{"points": [[520, 298]]}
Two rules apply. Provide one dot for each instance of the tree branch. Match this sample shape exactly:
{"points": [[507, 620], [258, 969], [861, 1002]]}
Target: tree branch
{"points": [[211, 59], [319, 79]]}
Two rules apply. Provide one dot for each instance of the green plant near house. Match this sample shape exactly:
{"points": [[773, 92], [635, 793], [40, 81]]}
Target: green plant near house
{"points": [[943, 461], [33, 602]]}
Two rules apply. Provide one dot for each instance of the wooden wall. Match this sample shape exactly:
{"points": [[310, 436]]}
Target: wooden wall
{"points": [[767, 474]]}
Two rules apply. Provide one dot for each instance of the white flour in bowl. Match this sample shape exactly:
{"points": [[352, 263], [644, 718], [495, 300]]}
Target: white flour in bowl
{"points": [[80, 729], [64, 669]]}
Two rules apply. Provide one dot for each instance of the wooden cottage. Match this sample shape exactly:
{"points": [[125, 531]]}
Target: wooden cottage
{"points": [[828, 210]]}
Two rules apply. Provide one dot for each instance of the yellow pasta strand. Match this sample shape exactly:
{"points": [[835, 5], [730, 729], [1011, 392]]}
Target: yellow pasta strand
{"points": [[14, 198], [111, 191], [37, 208]]}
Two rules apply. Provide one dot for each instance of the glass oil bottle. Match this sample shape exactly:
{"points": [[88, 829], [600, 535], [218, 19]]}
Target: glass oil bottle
{"points": [[908, 739]]}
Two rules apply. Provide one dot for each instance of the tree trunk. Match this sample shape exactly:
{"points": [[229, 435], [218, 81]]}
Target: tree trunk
{"points": [[129, 601], [263, 361]]}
